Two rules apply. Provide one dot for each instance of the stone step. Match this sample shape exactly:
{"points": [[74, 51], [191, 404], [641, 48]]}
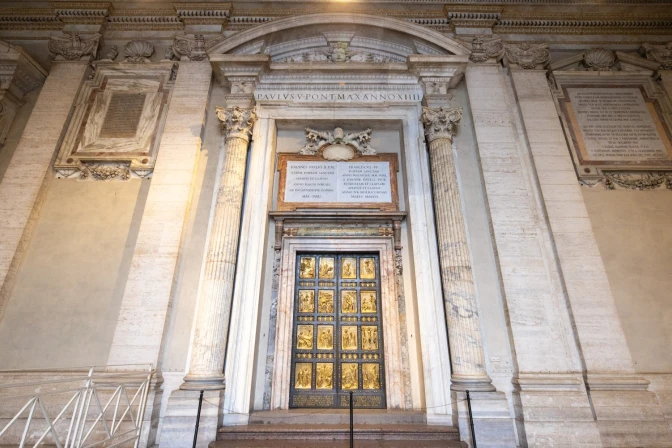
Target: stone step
{"points": [[324, 435], [338, 417]]}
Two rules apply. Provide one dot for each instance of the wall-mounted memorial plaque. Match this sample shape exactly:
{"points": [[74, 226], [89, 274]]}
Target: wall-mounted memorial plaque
{"points": [[615, 127], [365, 182]]}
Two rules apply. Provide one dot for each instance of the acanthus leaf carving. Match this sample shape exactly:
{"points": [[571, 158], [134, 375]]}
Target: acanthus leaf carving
{"points": [[339, 145], [527, 56], [237, 122], [190, 48], [482, 50], [73, 47], [440, 123], [659, 53]]}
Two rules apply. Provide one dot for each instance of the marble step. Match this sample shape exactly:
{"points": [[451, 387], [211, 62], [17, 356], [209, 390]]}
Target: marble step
{"points": [[338, 417], [323, 435]]}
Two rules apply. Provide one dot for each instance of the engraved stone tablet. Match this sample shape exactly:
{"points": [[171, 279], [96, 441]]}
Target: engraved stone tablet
{"points": [[123, 115], [617, 125], [308, 182]]}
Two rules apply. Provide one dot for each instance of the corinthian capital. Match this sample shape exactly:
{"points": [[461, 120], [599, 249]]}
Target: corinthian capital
{"points": [[440, 123], [237, 122]]}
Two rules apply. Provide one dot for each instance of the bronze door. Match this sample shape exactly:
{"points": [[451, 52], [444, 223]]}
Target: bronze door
{"points": [[337, 340]]}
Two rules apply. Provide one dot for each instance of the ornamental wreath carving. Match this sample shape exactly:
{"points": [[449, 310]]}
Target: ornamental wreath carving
{"points": [[528, 56], [339, 145], [72, 47]]}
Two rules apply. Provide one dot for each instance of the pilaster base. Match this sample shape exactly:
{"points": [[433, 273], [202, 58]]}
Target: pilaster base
{"points": [[203, 383], [179, 421], [493, 423], [628, 414], [554, 410]]}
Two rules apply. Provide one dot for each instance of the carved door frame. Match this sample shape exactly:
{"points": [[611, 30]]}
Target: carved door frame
{"points": [[384, 246]]}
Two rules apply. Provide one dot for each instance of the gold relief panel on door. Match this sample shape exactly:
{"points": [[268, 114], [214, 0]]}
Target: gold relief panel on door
{"points": [[348, 302], [325, 375], [307, 267], [371, 376], [367, 268], [304, 338], [369, 338], [303, 375], [368, 302], [325, 301], [326, 268], [325, 337], [349, 268], [306, 301], [349, 338], [349, 376]]}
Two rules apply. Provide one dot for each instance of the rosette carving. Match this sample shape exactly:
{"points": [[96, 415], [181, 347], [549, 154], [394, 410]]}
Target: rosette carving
{"points": [[528, 56], [237, 122], [440, 123]]}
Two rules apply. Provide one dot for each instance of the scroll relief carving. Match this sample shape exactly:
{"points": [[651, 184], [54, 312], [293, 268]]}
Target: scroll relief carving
{"points": [[440, 123], [659, 53], [339, 145], [73, 47], [237, 122], [190, 48], [482, 49], [527, 56]]}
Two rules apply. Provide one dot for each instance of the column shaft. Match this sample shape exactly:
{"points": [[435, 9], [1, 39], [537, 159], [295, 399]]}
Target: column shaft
{"points": [[464, 329], [216, 286]]}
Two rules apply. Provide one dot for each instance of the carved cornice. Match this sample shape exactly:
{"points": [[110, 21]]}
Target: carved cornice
{"points": [[144, 19], [237, 122], [527, 56], [83, 12], [440, 123], [73, 47], [662, 54]]}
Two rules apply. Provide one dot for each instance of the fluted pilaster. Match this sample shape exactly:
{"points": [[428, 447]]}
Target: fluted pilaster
{"points": [[216, 286], [464, 329]]}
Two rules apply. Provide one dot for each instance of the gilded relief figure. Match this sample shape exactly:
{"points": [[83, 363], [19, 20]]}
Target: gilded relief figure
{"points": [[304, 338], [307, 268], [326, 268], [368, 301], [303, 375], [349, 338], [349, 378], [325, 375], [325, 337], [325, 302], [370, 376], [367, 268], [306, 301], [348, 302], [349, 268], [369, 338]]}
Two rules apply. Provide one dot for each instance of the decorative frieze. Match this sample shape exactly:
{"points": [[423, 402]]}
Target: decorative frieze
{"points": [[659, 53], [647, 180], [73, 47], [527, 56]]}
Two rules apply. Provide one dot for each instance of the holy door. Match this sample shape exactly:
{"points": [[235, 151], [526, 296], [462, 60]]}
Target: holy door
{"points": [[337, 341]]}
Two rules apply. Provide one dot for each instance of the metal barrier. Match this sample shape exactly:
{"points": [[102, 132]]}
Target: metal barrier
{"points": [[83, 421]]}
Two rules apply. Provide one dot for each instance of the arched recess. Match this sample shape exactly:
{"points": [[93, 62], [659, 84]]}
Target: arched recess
{"points": [[451, 45]]}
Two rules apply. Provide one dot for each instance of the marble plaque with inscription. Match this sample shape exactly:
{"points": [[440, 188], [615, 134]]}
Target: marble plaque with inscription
{"points": [[368, 182], [616, 126]]}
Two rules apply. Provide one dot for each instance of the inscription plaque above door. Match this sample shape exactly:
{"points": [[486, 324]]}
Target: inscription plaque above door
{"points": [[365, 182]]}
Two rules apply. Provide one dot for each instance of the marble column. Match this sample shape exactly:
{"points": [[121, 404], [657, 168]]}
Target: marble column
{"points": [[217, 277], [464, 328]]}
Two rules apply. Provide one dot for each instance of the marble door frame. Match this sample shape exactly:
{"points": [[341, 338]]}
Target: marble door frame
{"points": [[384, 246]]}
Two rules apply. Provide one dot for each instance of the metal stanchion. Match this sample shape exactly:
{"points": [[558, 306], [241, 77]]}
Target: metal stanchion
{"points": [[352, 426], [471, 422], [198, 418]]}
